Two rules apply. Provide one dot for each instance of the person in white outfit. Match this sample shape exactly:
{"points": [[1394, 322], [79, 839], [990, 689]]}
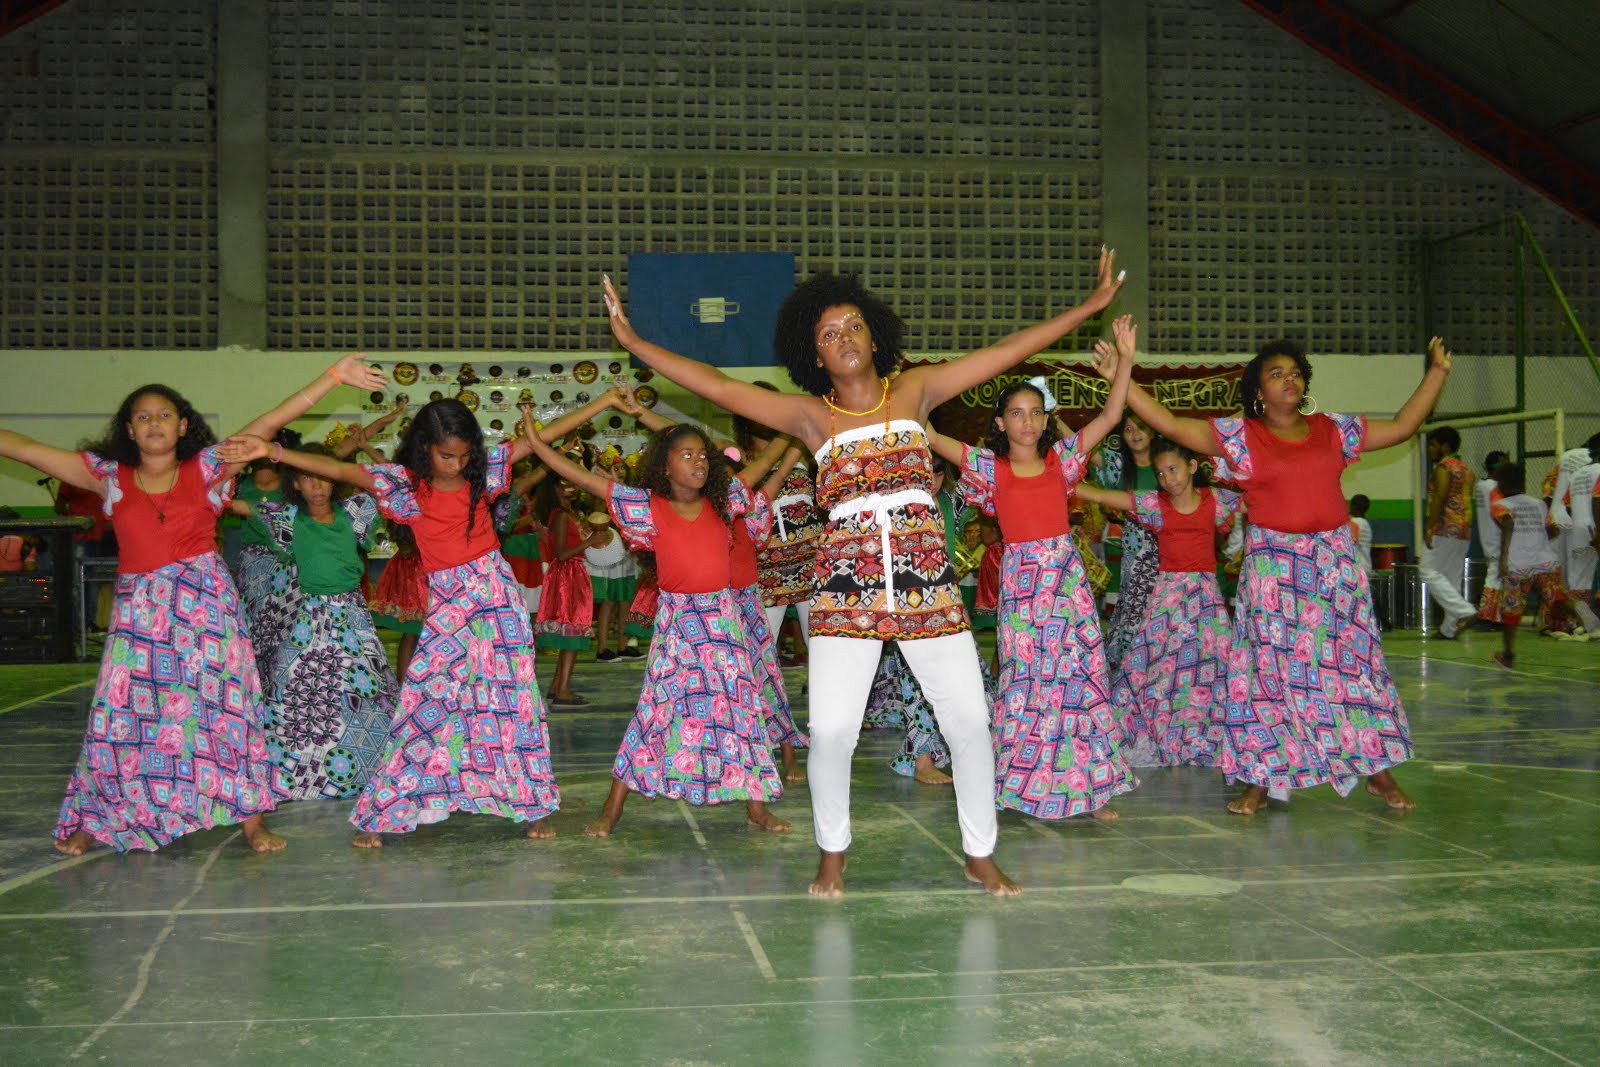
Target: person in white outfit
{"points": [[1447, 530], [1485, 491], [1572, 507]]}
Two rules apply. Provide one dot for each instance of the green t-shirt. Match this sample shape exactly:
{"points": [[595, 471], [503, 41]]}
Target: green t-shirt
{"points": [[325, 554], [255, 531]]}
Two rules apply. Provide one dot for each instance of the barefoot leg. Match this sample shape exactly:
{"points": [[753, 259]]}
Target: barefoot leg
{"points": [[1250, 801], [829, 881], [1383, 785], [75, 844], [791, 764], [540, 829], [926, 773], [611, 814], [756, 812], [983, 871], [258, 837], [1103, 814], [367, 841]]}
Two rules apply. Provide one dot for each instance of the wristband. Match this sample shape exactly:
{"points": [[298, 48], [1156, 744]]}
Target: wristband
{"points": [[279, 446], [334, 374]]}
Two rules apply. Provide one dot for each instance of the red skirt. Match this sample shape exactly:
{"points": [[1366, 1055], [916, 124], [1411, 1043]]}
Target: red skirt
{"points": [[402, 592]]}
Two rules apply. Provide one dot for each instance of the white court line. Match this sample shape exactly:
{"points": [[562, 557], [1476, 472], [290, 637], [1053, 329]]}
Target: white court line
{"points": [[1395, 824], [746, 930], [948, 851], [147, 961], [1505, 766], [781, 1005], [1495, 670], [1573, 800], [1485, 777], [1496, 871], [1179, 965], [52, 693], [60, 865], [1268, 903]]}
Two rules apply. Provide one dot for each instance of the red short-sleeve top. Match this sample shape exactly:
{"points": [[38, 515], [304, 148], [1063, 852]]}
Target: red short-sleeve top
{"points": [[1291, 486], [155, 529], [692, 555]]}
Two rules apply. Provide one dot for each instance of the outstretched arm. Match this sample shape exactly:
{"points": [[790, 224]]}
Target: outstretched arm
{"points": [[774, 483], [1384, 433], [786, 412], [242, 448], [1109, 418], [348, 371], [1120, 499], [946, 447], [756, 469], [359, 435], [58, 463], [1193, 434], [567, 423], [597, 485], [941, 381], [629, 404]]}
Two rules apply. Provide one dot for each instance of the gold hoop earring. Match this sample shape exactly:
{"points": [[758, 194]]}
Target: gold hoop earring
{"points": [[1313, 401]]}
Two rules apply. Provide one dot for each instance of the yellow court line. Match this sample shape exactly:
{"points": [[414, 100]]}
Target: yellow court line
{"points": [[52, 693]]}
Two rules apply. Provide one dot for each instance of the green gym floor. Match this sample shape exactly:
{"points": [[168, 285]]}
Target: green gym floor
{"points": [[1329, 931]]}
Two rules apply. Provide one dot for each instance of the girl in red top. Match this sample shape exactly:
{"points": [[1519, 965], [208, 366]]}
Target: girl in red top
{"points": [[1310, 699], [469, 732], [566, 606], [697, 733], [176, 739], [1055, 737], [1174, 674]]}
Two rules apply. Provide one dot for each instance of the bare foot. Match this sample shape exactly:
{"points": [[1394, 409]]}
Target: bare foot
{"points": [[611, 814], [926, 773], [791, 764], [756, 813], [829, 881], [367, 841], [541, 829], [1383, 785], [1250, 801], [1104, 815], [994, 881], [75, 845], [259, 838]]}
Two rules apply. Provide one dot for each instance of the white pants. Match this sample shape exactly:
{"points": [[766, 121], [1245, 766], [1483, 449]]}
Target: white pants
{"points": [[947, 669], [1580, 563], [775, 613], [1441, 569]]}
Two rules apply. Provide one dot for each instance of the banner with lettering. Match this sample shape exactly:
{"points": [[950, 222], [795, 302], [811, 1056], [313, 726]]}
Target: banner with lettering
{"points": [[1191, 390]]}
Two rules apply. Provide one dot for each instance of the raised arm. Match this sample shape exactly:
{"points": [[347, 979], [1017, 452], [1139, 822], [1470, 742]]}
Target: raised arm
{"points": [[752, 472], [597, 485], [348, 371], [358, 436], [941, 381], [572, 420], [1193, 434], [946, 447], [629, 404], [1111, 415], [1385, 433], [242, 448], [1120, 499], [786, 412], [774, 483], [58, 463]]}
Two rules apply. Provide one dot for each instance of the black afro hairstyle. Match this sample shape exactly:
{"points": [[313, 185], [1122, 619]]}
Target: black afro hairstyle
{"points": [[794, 339]]}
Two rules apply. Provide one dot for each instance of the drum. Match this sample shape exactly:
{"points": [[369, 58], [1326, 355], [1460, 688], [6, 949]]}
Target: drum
{"points": [[1384, 557]]}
